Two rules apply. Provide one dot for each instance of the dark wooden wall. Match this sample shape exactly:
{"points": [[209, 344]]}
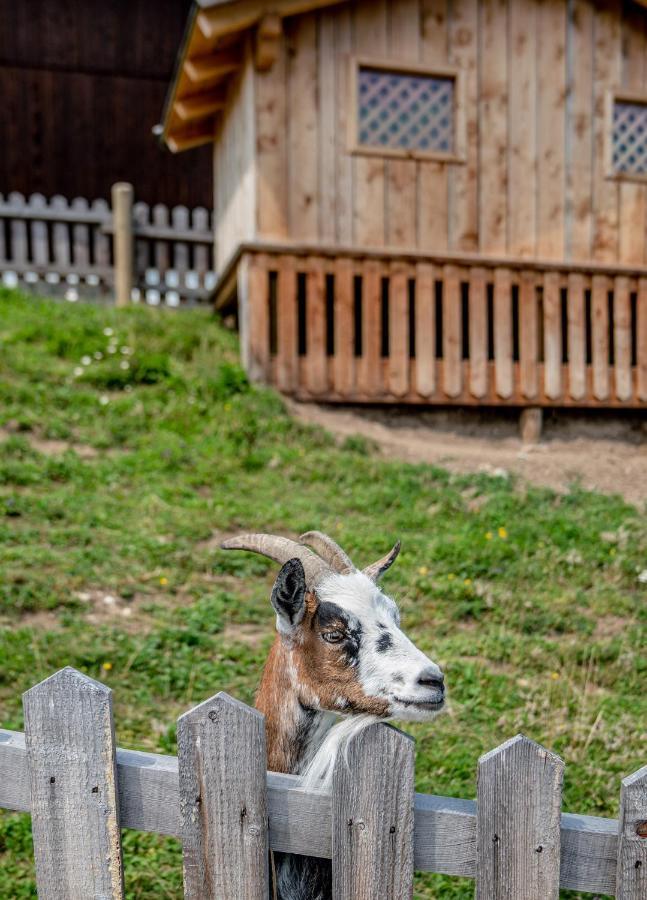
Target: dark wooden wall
{"points": [[82, 83]]}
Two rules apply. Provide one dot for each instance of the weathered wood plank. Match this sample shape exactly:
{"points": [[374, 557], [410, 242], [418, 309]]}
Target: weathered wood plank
{"points": [[632, 199], [327, 66], [61, 235], [641, 339], [398, 363], [18, 229], [81, 234], [287, 333], [69, 736], [503, 332], [522, 124], [369, 379], [373, 817], [316, 371], [162, 254], [200, 222], [579, 147], [254, 315], [425, 324], [631, 880], [271, 148], [552, 337], [303, 132], [300, 821], [141, 214], [478, 332], [223, 807], [452, 332], [39, 242], [622, 337], [576, 337], [493, 127], [343, 160], [344, 363], [518, 822], [600, 336], [180, 218]]}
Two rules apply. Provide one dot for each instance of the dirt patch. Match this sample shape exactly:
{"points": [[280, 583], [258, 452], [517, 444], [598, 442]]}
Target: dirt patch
{"points": [[49, 447], [606, 453], [248, 633]]}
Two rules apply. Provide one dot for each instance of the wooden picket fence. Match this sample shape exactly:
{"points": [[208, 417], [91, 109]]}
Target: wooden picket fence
{"points": [[67, 248], [228, 811], [345, 325]]}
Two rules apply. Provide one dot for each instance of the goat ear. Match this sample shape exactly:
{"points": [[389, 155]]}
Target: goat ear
{"points": [[289, 594]]}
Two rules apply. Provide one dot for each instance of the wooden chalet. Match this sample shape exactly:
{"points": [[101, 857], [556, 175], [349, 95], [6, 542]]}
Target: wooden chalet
{"points": [[427, 201]]}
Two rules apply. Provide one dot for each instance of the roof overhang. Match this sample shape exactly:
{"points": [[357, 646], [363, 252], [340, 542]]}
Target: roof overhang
{"points": [[212, 52]]}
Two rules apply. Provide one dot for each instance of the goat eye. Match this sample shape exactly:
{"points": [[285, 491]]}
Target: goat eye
{"points": [[333, 637]]}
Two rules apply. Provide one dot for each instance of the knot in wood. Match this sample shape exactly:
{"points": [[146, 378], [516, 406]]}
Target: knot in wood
{"points": [[538, 849], [361, 825], [495, 839], [253, 830], [641, 829], [392, 829], [213, 715]]}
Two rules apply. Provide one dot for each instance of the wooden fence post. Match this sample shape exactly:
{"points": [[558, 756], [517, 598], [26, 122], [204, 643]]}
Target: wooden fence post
{"points": [[372, 816], [122, 211], [518, 822], [222, 763], [631, 877], [70, 744]]}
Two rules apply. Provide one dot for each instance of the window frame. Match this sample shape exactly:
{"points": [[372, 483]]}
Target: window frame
{"points": [[457, 156], [611, 97]]}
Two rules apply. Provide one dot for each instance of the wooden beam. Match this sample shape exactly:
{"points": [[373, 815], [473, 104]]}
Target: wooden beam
{"points": [[225, 18], [199, 106], [268, 41], [194, 136], [203, 69]]}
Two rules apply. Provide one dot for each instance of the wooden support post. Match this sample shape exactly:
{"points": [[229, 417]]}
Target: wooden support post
{"points": [[518, 822], [122, 211], [530, 424], [222, 763], [372, 817], [631, 877], [70, 743]]}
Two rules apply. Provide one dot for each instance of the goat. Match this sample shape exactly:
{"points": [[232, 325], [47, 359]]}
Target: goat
{"points": [[339, 651]]}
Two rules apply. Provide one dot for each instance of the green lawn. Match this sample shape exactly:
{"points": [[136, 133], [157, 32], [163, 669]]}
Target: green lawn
{"points": [[116, 478]]}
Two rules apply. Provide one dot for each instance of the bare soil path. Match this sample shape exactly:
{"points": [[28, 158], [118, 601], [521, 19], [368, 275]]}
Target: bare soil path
{"points": [[607, 453]]}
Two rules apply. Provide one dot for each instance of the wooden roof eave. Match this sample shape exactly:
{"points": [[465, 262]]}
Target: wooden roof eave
{"points": [[209, 58]]}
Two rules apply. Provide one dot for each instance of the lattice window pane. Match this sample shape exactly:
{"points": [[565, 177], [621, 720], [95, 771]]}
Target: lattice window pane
{"points": [[630, 137], [403, 111]]}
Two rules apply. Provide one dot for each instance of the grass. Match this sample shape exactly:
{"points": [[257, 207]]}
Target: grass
{"points": [[117, 475]]}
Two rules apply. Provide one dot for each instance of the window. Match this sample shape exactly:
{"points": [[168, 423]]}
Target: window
{"points": [[401, 111], [627, 131]]}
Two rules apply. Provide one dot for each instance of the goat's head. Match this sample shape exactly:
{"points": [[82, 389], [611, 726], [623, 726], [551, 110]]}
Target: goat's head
{"points": [[347, 652]]}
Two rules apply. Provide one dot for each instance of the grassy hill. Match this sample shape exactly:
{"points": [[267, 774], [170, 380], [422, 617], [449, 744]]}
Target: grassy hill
{"points": [[130, 440]]}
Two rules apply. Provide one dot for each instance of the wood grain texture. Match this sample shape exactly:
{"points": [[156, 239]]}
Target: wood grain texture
{"points": [[600, 336], [398, 362], [528, 336], [493, 127], [303, 131], [222, 762], [344, 362], [622, 338], [641, 339], [373, 817], [69, 737], [327, 126], [18, 230], [503, 332], [425, 324], [39, 240], [344, 186], [478, 332], [271, 149], [369, 379], [300, 821], [576, 337], [286, 313], [522, 100], [631, 881], [552, 337], [452, 332], [315, 360], [579, 183], [254, 316], [632, 215], [518, 822]]}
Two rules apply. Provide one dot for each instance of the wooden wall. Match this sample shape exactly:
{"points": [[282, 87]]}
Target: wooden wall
{"points": [[535, 74], [82, 83]]}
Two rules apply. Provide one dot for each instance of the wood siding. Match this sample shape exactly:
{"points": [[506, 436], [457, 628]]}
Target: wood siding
{"points": [[534, 78]]}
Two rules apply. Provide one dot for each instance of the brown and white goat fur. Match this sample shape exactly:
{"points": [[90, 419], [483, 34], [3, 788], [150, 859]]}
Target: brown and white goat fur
{"points": [[339, 652]]}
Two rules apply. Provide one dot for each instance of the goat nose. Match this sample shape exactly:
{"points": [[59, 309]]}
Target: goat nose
{"points": [[432, 678]]}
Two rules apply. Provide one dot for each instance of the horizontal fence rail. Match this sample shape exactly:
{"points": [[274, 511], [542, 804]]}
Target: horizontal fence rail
{"points": [[66, 248], [356, 327], [227, 810]]}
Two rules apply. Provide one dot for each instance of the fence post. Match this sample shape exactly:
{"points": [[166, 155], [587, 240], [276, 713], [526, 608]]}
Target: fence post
{"points": [[631, 877], [519, 797], [69, 736], [372, 816], [122, 212], [222, 764]]}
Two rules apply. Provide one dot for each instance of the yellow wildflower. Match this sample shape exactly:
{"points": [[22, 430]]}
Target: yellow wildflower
{"points": [[451, 576], [106, 666], [467, 581], [503, 533], [423, 570], [488, 535], [554, 676], [163, 581]]}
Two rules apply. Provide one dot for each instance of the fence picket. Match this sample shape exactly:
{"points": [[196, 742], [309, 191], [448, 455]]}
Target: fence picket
{"points": [[641, 338], [61, 235], [3, 243], [518, 822], [552, 336], [600, 336], [372, 817], [503, 332], [18, 229], [254, 315], [200, 219], [162, 256], [425, 325], [369, 377], [478, 332], [631, 873], [576, 336], [39, 237], [141, 214], [316, 370], [528, 336], [622, 337], [398, 363], [452, 332], [222, 763], [344, 364], [286, 322], [100, 240], [69, 736], [80, 234], [180, 219]]}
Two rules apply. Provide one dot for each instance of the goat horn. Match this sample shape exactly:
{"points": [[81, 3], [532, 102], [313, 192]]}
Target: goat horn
{"points": [[281, 549], [329, 551], [377, 569]]}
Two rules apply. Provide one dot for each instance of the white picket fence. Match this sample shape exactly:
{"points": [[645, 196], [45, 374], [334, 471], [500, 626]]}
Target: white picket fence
{"points": [[228, 811], [66, 248]]}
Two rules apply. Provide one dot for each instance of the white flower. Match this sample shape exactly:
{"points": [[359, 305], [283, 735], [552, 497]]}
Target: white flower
{"points": [[108, 331], [125, 351], [86, 360], [104, 400], [124, 364], [98, 355], [642, 576], [78, 371], [112, 349]]}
